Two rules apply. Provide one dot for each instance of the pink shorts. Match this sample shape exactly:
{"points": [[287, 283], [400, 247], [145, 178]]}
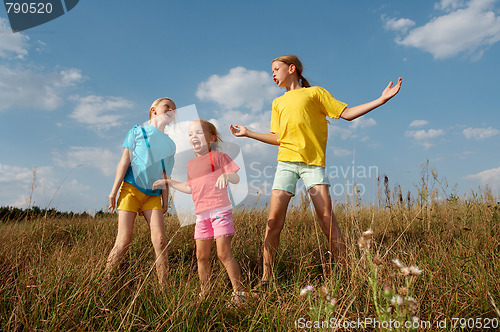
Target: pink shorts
{"points": [[215, 223]]}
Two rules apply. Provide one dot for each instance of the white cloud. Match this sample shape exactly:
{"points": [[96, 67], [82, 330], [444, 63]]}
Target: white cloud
{"points": [[25, 88], [52, 189], [362, 122], [69, 77], [425, 137], [256, 121], [418, 123], [490, 177], [100, 158], [465, 28], [342, 132], [239, 88], [20, 185], [480, 133], [425, 134], [400, 25], [100, 113], [340, 152], [449, 4], [14, 173], [353, 129], [12, 44]]}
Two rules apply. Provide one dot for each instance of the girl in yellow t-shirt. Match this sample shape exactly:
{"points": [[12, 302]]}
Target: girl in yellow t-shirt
{"points": [[299, 128]]}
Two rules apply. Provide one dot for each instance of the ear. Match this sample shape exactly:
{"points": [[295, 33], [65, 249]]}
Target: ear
{"points": [[153, 110], [292, 68]]}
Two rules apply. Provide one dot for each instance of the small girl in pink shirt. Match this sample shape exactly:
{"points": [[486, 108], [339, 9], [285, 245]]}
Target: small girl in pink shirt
{"points": [[208, 175]]}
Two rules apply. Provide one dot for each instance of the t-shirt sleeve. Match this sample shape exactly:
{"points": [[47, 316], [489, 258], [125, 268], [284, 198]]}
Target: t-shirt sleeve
{"points": [[226, 163], [333, 107], [275, 124], [129, 141]]}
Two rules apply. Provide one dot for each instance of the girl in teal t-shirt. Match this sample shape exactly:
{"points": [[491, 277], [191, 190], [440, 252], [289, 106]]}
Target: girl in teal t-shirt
{"points": [[148, 154]]}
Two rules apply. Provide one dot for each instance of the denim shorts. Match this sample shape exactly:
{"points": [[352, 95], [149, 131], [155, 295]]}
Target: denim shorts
{"points": [[288, 173]]}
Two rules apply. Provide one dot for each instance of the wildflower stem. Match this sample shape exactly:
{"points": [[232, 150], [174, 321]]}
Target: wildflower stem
{"points": [[372, 279]]}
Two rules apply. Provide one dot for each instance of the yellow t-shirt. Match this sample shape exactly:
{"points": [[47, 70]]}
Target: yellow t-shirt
{"points": [[299, 116]]}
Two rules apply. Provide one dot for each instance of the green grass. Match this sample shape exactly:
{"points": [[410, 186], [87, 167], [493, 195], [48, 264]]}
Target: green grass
{"points": [[51, 269]]}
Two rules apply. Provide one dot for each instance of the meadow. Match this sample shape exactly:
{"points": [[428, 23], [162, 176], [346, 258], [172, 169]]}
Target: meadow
{"points": [[430, 261]]}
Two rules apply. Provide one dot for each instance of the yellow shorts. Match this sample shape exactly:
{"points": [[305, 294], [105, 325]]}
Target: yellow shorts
{"points": [[132, 199]]}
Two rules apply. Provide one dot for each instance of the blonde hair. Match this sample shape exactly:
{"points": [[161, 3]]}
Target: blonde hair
{"points": [[210, 129], [157, 101], [292, 59]]}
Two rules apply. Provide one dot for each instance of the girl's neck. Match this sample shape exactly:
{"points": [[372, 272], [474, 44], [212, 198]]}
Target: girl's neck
{"points": [[294, 85], [160, 126], [203, 153]]}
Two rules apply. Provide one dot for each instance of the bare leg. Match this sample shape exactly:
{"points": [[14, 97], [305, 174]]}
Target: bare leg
{"points": [[159, 241], [203, 248], [226, 257], [123, 239], [275, 223], [320, 196]]}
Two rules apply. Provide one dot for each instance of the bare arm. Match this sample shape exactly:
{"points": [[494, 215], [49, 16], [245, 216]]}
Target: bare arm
{"points": [[164, 195], [121, 169], [181, 186], [351, 113], [242, 131]]}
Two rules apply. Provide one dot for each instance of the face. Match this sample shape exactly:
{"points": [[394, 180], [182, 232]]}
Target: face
{"points": [[165, 108], [282, 73], [198, 139]]}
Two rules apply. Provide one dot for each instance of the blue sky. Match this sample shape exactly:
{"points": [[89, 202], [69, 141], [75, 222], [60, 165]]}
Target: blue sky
{"points": [[73, 87]]}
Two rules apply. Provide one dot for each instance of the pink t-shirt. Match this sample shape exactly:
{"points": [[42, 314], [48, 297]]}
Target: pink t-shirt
{"points": [[202, 174]]}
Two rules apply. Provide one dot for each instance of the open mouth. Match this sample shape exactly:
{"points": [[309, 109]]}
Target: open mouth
{"points": [[196, 144]]}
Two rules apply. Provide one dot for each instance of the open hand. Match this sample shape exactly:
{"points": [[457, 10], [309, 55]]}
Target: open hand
{"points": [[238, 131], [390, 91], [222, 182], [112, 202], [162, 184]]}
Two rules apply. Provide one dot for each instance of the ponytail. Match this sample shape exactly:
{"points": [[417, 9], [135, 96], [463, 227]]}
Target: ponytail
{"points": [[303, 82]]}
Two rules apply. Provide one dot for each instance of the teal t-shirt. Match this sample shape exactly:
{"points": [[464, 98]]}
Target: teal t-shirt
{"points": [[151, 152]]}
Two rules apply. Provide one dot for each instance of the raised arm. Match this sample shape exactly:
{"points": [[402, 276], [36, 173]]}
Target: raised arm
{"points": [[242, 131], [351, 113]]}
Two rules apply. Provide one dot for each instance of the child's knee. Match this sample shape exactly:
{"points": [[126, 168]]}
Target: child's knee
{"points": [[159, 241], [225, 256], [202, 256]]}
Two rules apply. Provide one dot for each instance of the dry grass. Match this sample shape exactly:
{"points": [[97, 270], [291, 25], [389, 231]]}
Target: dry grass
{"points": [[51, 270]]}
